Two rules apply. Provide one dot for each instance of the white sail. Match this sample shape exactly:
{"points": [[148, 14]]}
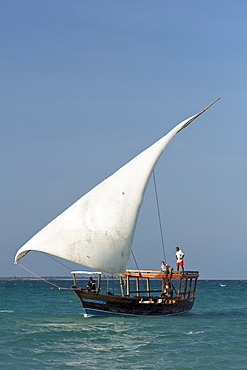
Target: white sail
{"points": [[97, 231]]}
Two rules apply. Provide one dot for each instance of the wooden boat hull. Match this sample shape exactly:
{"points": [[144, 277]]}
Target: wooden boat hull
{"points": [[100, 304]]}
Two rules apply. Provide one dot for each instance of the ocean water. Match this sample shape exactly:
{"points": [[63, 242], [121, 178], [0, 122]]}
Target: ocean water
{"points": [[42, 327]]}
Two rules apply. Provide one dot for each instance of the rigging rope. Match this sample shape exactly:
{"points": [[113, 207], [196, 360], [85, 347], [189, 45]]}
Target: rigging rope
{"points": [[137, 267], [142, 282], [48, 255], [39, 277], [159, 216]]}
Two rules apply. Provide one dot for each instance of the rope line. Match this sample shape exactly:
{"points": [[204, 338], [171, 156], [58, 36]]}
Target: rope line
{"points": [[48, 255], [142, 282], [39, 277], [135, 260], [159, 216]]}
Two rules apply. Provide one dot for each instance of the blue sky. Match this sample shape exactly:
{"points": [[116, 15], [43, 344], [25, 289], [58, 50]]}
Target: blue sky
{"points": [[87, 85]]}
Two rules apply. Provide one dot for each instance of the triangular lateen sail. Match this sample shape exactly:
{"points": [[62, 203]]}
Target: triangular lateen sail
{"points": [[97, 231]]}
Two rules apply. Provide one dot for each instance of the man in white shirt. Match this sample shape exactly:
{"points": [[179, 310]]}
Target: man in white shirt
{"points": [[179, 258]]}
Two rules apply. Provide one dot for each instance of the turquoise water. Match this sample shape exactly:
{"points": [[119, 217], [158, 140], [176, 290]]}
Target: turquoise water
{"points": [[42, 328]]}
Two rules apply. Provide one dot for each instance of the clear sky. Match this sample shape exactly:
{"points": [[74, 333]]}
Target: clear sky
{"points": [[87, 85]]}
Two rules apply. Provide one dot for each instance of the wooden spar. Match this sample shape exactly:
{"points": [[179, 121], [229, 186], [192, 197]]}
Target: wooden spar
{"points": [[121, 286], [128, 286], [137, 286], [74, 279], [189, 289], [163, 285], [197, 115], [158, 274], [148, 286], [193, 292], [107, 282], [99, 281], [185, 287], [179, 287]]}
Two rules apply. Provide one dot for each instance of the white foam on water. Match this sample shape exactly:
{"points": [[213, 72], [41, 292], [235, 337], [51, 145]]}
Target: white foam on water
{"points": [[195, 332]]}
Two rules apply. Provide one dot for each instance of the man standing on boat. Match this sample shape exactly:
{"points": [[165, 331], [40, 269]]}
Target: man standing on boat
{"points": [[179, 258]]}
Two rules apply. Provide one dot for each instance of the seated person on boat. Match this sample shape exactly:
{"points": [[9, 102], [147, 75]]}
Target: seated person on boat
{"points": [[91, 285], [164, 267], [168, 290]]}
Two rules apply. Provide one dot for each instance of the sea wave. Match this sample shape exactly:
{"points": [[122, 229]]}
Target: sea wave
{"points": [[195, 332]]}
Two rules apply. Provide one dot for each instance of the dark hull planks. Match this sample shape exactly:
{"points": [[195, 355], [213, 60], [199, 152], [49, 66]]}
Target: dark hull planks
{"points": [[99, 304]]}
